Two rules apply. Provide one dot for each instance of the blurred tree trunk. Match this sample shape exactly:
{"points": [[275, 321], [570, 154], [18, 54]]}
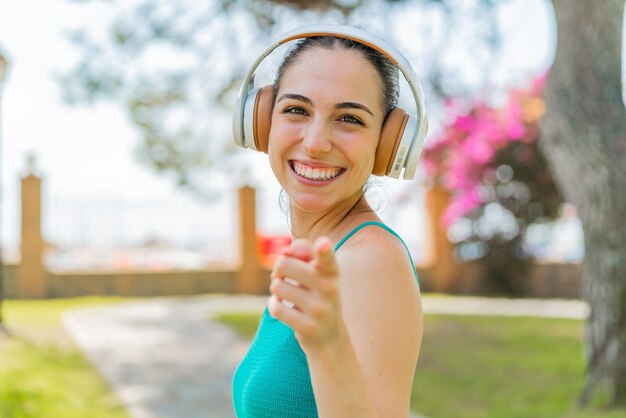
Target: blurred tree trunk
{"points": [[584, 140]]}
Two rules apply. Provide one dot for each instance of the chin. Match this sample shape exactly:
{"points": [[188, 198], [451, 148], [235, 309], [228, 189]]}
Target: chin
{"points": [[311, 204]]}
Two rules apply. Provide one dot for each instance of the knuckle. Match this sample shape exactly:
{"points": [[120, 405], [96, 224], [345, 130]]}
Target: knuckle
{"points": [[279, 264], [329, 288], [318, 309], [309, 328]]}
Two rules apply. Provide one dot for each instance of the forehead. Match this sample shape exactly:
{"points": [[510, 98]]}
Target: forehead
{"points": [[343, 74]]}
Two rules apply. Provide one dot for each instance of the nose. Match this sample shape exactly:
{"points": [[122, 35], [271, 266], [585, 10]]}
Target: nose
{"points": [[316, 138]]}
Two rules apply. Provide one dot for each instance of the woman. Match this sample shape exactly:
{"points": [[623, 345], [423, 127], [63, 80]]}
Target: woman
{"points": [[342, 330]]}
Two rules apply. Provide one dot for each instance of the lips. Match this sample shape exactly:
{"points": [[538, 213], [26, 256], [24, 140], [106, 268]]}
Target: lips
{"points": [[315, 172]]}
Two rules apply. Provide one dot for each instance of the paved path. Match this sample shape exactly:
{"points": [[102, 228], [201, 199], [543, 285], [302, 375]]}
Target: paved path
{"points": [[165, 358]]}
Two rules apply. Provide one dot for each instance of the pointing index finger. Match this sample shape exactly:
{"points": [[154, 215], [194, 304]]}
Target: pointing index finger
{"points": [[325, 256]]}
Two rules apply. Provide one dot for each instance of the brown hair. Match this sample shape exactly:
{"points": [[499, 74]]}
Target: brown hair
{"points": [[386, 69]]}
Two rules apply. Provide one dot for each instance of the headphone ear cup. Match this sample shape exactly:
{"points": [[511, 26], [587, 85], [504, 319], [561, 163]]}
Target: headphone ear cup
{"points": [[263, 117], [390, 137]]}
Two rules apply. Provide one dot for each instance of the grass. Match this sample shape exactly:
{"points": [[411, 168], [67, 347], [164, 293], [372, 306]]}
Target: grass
{"points": [[245, 324], [42, 373], [491, 367]]}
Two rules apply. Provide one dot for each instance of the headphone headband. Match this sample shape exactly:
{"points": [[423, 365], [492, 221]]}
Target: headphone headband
{"points": [[357, 35]]}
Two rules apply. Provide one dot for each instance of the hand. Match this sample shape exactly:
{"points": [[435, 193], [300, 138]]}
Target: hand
{"points": [[307, 277]]}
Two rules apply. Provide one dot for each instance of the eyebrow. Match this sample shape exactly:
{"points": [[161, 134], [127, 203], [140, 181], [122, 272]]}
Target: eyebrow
{"points": [[296, 97], [342, 105], [352, 105]]}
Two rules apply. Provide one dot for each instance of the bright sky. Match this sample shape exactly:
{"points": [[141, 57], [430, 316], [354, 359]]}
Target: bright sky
{"points": [[88, 151]]}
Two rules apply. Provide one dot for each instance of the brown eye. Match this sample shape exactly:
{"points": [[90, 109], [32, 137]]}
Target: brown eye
{"points": [[295, 110], [351, 119]]}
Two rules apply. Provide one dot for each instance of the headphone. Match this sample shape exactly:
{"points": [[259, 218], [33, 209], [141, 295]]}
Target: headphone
{"points": [[402, 136]]}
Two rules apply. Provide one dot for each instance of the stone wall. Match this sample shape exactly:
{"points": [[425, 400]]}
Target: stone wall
{"points": [[136, 283], [543, 281], [140, 283], [31, 280]]}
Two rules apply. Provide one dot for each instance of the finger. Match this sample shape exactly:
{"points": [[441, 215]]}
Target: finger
{"points": [[293, 269], [299, 248], [325, 260], [297, 297], [294, 318], [278, 290]]}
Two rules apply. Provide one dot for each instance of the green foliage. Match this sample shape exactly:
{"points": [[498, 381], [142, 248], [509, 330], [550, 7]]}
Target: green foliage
{"points": [[498, 367], [42, 374], [24, 313], [171, 66], [244, 324], [45, 381]]}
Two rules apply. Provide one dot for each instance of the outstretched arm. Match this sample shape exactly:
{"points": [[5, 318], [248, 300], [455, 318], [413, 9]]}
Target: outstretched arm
{"points": [[356, 369]]}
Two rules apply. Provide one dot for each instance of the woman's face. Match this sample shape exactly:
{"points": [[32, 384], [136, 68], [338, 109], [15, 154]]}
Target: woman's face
{"points": [[325, 127]]}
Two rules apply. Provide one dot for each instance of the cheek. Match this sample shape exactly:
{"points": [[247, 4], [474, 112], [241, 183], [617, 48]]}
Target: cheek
{"points": [[276, 151], [282, 137], [369, 157], [362, 151], [273, 155]]}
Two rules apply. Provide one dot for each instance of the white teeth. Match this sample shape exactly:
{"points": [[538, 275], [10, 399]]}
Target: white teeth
{"points": [[315, 173]]}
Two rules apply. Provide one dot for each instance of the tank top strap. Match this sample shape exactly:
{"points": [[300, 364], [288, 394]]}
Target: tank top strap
{"points": [[385, 227]]}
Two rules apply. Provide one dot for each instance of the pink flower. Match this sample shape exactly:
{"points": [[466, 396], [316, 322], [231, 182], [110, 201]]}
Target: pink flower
{"points": [[464, 123], [461, 205], [515, 130], [466, 145], [477, 149]]}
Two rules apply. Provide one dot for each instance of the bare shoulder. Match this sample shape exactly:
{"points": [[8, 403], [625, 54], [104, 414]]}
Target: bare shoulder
{"points": [[377, 280], [375, 257]]}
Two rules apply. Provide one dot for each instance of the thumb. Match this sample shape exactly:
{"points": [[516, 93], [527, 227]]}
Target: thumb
{"points": [[325, 256]]}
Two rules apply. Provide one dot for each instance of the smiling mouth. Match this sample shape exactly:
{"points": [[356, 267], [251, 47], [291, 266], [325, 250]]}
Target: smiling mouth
{"points": [[315, 173]]}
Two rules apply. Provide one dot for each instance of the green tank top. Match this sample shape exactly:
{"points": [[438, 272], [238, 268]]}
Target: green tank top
{"points": [[272, 380]]}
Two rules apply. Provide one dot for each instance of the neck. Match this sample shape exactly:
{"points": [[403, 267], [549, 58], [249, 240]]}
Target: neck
{"points": [[334, 222]]}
